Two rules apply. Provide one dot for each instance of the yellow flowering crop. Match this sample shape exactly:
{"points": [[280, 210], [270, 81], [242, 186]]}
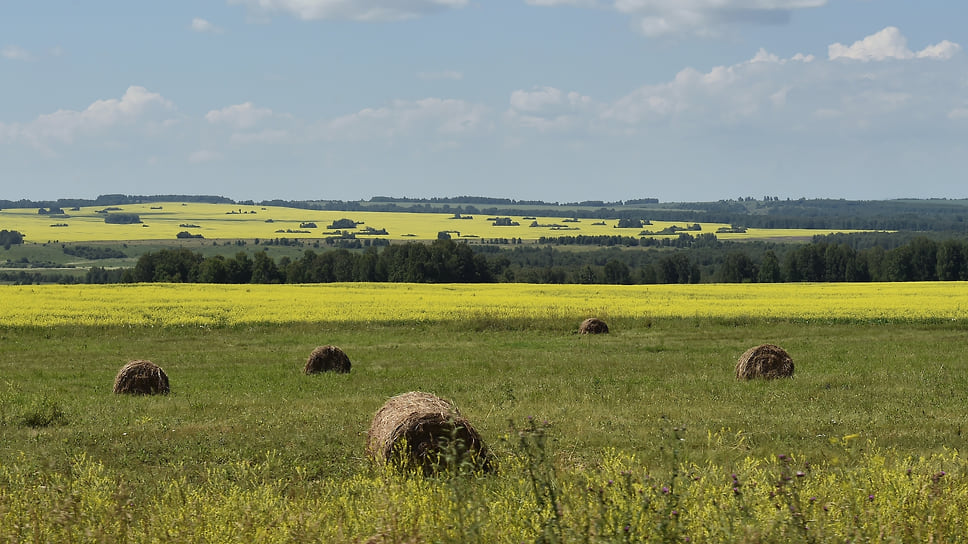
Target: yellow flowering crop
{"points": [[163, 221], [217, 305]]}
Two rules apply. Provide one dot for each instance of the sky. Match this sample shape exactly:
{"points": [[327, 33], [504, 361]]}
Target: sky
{"points": [[554, 100]]}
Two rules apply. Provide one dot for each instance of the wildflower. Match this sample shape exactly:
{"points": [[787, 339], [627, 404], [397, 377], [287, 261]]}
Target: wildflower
{"points": [[870, 497], [801, 474], [665, 490]]}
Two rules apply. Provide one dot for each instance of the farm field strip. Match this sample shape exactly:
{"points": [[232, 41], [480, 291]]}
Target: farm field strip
{"points": [[163, 221], [226, 305]]}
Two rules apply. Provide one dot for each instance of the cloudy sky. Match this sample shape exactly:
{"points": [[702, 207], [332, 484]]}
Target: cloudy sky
{"points": [[558, 100]]}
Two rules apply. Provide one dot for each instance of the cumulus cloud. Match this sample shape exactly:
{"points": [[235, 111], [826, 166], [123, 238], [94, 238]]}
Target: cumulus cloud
{"points": [[240, 116], [354, 10], [560, 2], [433, 117], [724, 93], [13, 52], [201, 25], [958, 113], [548, 109], [267, 136], [705, 17], [65, 125], [890, 44]]}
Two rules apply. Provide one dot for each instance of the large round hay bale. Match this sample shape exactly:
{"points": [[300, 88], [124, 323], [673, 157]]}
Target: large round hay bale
{"points": [[141, 377], [421, 431], [327, 359], [764, 361], [593, 325]]}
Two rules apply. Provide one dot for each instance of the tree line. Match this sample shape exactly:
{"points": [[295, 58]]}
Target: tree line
{"points": [[836, 258]]}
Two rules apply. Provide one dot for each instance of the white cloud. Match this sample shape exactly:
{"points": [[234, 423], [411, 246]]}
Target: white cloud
{"points": [[201, 25], [267, 136], [706, 17], [548, 109], [550, 3], [958, 113], [450, 74], [240, 116], [889, 44], [13, 52], [430, 117], [355, 10], [65, 125], [204, 155], [723, 94]]}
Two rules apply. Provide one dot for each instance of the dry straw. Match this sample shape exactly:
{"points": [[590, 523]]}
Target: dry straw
{"points": [[422, 431], [593, 325], [764, 361], [141, 377], [327, 359]]}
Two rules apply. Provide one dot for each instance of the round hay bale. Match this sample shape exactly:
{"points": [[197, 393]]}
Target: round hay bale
{"points": [[593, 325], [764, 361], [327, 359], [140, 377], [422, 431]]}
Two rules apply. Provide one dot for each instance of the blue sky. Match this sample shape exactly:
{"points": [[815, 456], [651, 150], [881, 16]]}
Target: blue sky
{"points": [[558, 100]]}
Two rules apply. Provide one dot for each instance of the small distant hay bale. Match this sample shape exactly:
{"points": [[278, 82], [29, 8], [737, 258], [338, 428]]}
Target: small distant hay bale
{"points": [[140, 377], [593, 325], [764, 361], [420, 431], [327, 359]]}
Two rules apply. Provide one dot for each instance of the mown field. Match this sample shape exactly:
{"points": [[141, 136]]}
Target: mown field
{"points": [[636, 436], [163, 221]]}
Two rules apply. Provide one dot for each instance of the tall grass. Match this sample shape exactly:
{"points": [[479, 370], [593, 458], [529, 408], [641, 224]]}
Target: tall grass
{"points": [[637, 436]]}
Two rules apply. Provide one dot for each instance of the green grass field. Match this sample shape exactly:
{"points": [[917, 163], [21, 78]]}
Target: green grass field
{"points": [[631, 436]]}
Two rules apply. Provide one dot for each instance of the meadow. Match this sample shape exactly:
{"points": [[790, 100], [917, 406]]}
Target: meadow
{"points": [[163, 221], [640, 435]]}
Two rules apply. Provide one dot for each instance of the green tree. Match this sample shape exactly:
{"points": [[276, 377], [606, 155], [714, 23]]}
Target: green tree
{"points": [[769, 268], [617, 272]]}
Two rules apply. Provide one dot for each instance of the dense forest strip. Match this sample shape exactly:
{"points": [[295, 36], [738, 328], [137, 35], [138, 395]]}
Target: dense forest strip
{"points": [[686, 260]]}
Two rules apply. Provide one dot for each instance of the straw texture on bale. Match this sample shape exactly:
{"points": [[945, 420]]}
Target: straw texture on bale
{"points": [[593, 325], [327, 359], [141, 377], [422, 431], [764, 361]]}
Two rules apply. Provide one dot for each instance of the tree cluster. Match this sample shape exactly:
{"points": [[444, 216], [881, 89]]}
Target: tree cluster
{"points": [[440, 262], [10, 238]]}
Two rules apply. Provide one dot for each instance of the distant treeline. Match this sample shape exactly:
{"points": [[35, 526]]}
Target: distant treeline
{"points": [[936, 215], [826, 259], [115, 200]]}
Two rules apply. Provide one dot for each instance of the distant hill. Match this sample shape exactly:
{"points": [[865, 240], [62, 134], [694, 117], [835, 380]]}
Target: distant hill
{"points": [[920, 215]]}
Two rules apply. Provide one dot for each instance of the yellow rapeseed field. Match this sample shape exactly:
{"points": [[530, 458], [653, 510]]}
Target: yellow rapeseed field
{"points": [[163, 221], [218, 305]]}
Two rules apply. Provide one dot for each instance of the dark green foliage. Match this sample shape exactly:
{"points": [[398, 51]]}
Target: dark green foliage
{"points": [[122, 218], [94, 252], [342, 224], [10, 237]]}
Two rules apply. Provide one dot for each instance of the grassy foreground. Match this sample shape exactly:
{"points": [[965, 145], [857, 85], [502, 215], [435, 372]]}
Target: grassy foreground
{"points": [[637, 436]]}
